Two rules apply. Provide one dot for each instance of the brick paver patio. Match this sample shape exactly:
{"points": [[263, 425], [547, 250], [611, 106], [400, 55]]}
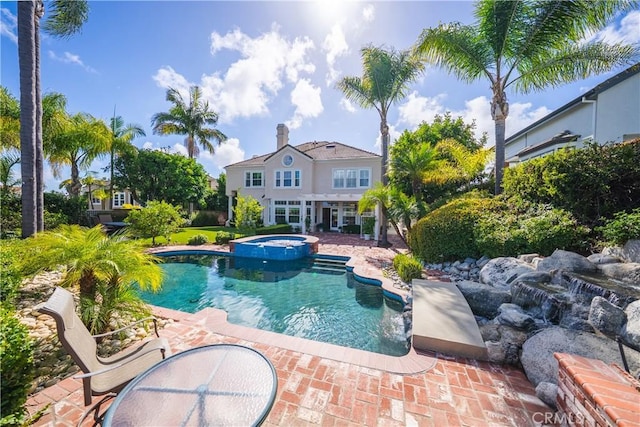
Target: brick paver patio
{"points": [[314, 390]]}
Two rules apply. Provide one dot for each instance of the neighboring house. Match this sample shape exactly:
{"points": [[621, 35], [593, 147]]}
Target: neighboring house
{"points": [[320, 180], [120, 197], [608, 113]]}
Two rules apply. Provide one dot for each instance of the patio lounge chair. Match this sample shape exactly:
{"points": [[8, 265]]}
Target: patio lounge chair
{"points": [[101, 376]]}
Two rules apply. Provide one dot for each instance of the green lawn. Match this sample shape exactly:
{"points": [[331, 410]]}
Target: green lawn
{"points": [[182, 237]]}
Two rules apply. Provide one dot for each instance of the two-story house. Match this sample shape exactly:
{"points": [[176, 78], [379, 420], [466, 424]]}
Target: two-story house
{"points": [[320, 180], [608, 113]]}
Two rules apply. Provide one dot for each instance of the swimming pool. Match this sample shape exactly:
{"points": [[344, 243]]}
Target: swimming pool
{"points": [[304, 298]]}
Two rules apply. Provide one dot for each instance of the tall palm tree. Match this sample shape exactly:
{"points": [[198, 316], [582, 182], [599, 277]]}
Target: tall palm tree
{"points": [[386, 76], [7, 178], [66, 18], [82, 139], [526, 46], [121, 137], [190, 119], [9, 121], [394, 204]]}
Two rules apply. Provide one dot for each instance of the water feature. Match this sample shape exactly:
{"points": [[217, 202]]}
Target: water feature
{"points": [[304, 298], [274, 247]]}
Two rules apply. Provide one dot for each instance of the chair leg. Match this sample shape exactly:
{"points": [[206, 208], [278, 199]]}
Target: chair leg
{"points": [[95, 408]]}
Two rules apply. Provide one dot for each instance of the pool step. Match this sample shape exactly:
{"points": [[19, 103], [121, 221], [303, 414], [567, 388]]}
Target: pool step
{"points": [[329, 266]]}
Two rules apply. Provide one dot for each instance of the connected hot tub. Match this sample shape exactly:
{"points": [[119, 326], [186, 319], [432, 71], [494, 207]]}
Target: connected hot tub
{"points": [[280, 247]]}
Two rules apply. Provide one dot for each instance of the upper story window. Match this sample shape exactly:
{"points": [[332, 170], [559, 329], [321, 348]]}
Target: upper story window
{"points": [[351, 178], [118, 199], [287, 160], [288, 178], [253, 179]]}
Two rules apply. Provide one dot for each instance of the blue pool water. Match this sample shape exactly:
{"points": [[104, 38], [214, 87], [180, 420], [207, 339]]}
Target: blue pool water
{"points": [[299, 298]]}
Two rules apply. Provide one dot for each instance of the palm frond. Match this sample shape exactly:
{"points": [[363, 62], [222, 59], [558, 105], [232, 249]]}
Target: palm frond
{"points": [[66, 17]]}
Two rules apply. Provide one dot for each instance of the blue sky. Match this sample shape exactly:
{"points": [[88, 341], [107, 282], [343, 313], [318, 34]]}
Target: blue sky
{"points": [[263, 63]]}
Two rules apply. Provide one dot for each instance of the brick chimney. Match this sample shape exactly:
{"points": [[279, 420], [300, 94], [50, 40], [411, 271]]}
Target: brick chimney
{"points": [[282, 135]]}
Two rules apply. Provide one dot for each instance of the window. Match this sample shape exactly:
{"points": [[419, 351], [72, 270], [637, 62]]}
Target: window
{"points": [[351, 178], [95, 201], [294, 215], [281, 215], [253, 179], [287, 211], [364, 177], [349, 213], [288, 178], [287, 160], [118, 200]]}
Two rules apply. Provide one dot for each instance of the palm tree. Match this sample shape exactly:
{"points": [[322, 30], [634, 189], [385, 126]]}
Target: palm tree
{"points": [[121, 137], [7, 178], [528, 46], [385, 81], [81, 140], [9, 121], [189, 119], [413, 166], [66, 18], [106, 269]]}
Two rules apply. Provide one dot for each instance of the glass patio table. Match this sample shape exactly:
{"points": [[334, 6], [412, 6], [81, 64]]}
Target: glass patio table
{"points": [[213, 385]]}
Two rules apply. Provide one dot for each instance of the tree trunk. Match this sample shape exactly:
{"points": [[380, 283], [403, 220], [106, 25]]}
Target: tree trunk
{"points": [[500, 130], [112, 160], [499, 113], [39, 149], [27, 61], [74, 188], [384, 131]]}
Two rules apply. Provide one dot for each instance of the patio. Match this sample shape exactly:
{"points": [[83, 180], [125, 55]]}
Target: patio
{"points": [[320, 386]]}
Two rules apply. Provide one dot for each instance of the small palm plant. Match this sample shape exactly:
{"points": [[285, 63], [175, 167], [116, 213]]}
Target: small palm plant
{"points": [[105, 269]]}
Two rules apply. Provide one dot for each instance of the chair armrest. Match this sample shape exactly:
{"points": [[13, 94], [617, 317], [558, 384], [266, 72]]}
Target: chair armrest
{"points": [[155, 327], [117, 365]]}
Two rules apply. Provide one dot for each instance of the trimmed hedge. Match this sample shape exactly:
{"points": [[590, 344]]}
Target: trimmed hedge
{"points": [[447, 233], [198, 239], [275, 229], [223, 237]]}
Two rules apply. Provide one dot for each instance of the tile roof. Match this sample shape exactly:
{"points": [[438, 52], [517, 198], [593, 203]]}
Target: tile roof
{"points": [[316, 150]]}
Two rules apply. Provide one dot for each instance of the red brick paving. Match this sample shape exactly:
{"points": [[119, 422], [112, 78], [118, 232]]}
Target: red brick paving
{"points": [[318, 391]]}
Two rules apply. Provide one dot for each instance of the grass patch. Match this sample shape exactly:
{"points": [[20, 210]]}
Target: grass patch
{"points": [[184, 234]]}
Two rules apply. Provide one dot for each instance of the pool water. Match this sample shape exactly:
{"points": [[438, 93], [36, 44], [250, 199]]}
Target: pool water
{"points": [[299, 298]]}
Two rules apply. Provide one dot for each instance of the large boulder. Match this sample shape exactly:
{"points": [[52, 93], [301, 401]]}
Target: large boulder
{"points": [[603, 259], [567, 261], [631, 330], [484, 300], [606, 317], [628, 272], [513, 315], [503, 343], [631, 251], [540, 365], [547, 392], [500, 272]]}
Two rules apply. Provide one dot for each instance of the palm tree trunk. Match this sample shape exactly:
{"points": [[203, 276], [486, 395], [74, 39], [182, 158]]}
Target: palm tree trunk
{"points": [[27, 61], [499, 113], [112, 160], [384, 131], [39, 150], [75, 180]]}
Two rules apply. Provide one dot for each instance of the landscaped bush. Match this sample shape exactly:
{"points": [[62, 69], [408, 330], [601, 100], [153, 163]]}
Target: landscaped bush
{"points": [[54, 219], [73, 208], [10, 277], [591, 183], [447, 233], [204, 218], [16, 360], [351, 229], [223, 237], [156, 219], [623, 227], [510, 231], [407, 267], [275, 229], [198, 239]]}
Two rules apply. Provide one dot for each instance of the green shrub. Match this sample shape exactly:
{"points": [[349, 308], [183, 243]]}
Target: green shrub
{"points": [[10, 276], [204, 218], [223, 237], [407, 267], [16, 359], [54, 219], [247, 213], [198, 239], [447, 233], [538, 229], [275, 229], [591, 183], [622, 228], [351, 229], [156, 219]]}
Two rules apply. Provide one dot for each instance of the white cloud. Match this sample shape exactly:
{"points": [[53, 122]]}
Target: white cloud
{"points": [[335, 45], [418, 109], [166, 77], [627, 31], [347, 105], [369, 13], [228, 153], [247, 87], [71, 58], [8, 25], [147, 145], [307, 101]]}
